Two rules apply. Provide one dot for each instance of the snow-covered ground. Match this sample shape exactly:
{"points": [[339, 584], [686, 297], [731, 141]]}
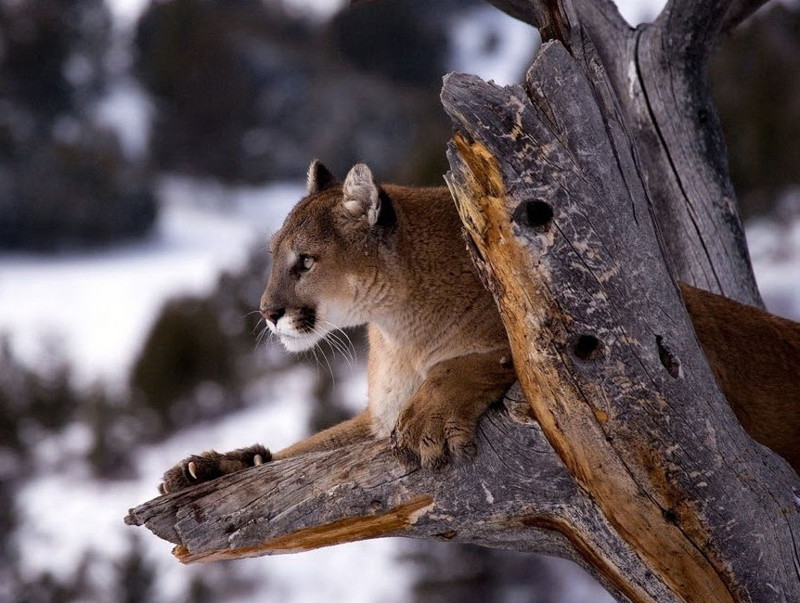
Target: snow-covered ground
{"points": [[774, 245], [492, 45], [90, 519], [98, 305]]}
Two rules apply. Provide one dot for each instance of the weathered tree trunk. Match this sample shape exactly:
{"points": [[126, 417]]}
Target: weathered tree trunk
{"points": [[583, 194]]}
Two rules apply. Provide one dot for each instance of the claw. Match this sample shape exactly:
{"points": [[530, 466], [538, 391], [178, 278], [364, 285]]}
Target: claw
{"points": [[162, 487], [192, 467], [258, 460]]}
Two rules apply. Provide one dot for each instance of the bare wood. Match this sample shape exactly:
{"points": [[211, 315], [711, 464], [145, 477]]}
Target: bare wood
{"points": [[658, 75], [516, 494], [636, 436]]}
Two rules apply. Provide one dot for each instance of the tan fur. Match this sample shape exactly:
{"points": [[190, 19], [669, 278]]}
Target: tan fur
{"points": [[438, 351], [393, 257], [755, 357]]}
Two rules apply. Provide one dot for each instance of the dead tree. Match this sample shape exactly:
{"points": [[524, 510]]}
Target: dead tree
{"points": [[585, 194]]}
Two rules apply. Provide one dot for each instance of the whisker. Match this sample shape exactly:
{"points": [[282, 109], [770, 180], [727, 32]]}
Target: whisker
{"points": [[337, 338], [334, 342], [339, 345], [258, 324], [330, 368], [322, 335], [349, 344], [263, 337], [316, 349]]}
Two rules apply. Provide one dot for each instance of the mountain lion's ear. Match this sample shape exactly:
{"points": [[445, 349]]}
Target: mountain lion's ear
{"points": [[361, 194], [319, 178]]}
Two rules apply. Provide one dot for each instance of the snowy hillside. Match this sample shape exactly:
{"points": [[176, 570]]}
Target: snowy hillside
{"points": [[98, 305]]}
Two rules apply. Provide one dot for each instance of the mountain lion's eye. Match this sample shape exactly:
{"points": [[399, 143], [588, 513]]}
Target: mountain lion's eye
{"points": [[305, 262]]}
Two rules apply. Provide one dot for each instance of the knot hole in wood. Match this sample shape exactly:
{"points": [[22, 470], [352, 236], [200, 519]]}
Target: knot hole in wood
{"points": [[535, 213], [587, 347]]}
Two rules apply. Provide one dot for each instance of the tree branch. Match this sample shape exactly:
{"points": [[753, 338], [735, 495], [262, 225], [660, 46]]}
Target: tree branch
{"points": [[516, 494]]}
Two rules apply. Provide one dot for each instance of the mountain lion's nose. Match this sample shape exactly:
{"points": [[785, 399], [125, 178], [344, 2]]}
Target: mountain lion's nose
{"points": [[273, 315]]}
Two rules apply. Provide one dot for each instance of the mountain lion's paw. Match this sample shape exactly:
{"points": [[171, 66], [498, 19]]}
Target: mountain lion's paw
{"points": [[430, 435], [210, 465]]}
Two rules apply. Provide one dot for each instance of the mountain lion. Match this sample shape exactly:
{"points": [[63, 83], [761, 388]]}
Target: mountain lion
{"points": [[393, 257]]}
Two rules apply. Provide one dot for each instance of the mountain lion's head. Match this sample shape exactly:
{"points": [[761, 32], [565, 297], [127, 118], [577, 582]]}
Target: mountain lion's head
{"points": [[326, 258]]}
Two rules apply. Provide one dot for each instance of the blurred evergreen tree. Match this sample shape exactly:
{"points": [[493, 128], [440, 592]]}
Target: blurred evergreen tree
{"points": [[135, 576], [755, 77], [199, 355], [187, 370], [246, 92], [64, 181], [394, 39], [206, 61]]}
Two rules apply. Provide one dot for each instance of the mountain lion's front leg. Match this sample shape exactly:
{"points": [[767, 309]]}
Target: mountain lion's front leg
{"points": [[342, 434], [440, 419], [210, 465]]}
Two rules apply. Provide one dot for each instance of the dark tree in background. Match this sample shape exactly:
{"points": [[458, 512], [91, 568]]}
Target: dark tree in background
{"points": [[246, 93], [393, 41], [64, 180], [755, 75]]}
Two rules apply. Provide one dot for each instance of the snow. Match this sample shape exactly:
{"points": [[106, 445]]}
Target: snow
{"points": [[90, 517], [318, 10], [98, 306], [492, 45], [639, 11], [774, 245], [127, 110], [127, 12]]}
